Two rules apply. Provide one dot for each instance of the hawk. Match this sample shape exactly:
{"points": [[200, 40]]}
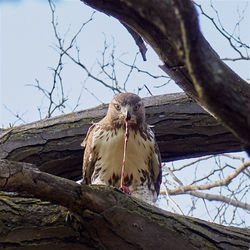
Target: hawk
{"points": [[104, 148]]}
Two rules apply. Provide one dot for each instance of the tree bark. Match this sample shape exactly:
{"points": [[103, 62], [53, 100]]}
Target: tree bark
{"points": [[171, 27], [104, 218], [183, 129], [30, 223]]}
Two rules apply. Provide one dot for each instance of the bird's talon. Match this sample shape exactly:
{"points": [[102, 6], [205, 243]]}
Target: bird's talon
{"points": [[125, 189]]}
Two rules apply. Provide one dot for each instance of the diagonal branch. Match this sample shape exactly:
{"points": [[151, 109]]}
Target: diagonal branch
{"points": [[110, 214], [24, 177], [172, 29], [222, 198], [222, 182], [182, 129], [230, 37], [191, 189], [138, 40]]}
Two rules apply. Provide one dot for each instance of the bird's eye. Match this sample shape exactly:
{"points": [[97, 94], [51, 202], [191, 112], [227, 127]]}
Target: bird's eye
{"points": [[136, 107], [117, 107]]}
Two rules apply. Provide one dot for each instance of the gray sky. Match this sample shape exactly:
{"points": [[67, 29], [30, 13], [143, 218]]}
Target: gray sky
{"points": [[26, 48], [27, 51]]}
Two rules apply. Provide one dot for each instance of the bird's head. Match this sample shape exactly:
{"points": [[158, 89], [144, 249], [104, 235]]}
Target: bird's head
{"points": [[127, 107]]}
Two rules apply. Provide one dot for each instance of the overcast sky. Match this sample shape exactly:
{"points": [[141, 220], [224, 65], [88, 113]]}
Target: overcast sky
{"points": [[27, 51]]}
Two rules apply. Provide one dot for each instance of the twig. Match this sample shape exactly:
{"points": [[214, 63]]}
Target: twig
{"points": [[144, 71], [225, 33], [171, 200], [207, 210], [138, 40], [148, 89], [19, 117], [214, 197], [223, 182]]}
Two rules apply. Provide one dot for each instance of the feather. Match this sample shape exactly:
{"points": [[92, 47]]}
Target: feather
{"points": [[104, 144]]}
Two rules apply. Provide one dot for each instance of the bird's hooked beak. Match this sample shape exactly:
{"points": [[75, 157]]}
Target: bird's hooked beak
{"points": [[127, 114]]}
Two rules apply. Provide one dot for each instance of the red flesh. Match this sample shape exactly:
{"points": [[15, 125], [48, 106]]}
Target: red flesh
{"points": [[124, 188]]}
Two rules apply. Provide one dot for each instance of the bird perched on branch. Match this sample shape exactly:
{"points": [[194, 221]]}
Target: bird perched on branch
{"points": [[121, 150]]}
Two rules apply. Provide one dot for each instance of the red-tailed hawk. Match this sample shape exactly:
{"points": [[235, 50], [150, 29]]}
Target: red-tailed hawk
{"points": [[104, 146]]}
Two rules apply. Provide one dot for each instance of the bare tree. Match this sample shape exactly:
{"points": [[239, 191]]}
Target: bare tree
{"points": [[217, 181], [108, 77], [222, 182], [233, 37]]}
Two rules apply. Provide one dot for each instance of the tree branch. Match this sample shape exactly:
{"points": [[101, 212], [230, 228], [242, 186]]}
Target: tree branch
{"points": [[190, 189], [222, 198], [29, 223], [172, 29], [231, 38], [111, 219], [138, 40], [222, 182], [182, 128]]}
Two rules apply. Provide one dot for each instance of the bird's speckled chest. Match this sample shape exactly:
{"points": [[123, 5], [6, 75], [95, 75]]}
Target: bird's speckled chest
{"points": [[109, 145]]}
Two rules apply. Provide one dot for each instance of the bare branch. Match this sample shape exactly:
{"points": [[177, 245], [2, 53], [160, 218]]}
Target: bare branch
{"points": [[226, 199], [236, 59], [90, 74], [138, 40], [133, 66], [148, 89], [192, 163], [214, 197], [19, 117], [229, 37], [223, 182]]}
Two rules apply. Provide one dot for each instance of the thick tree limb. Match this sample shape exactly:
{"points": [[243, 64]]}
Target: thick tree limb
{"points": [[113, 220], [182, 128], [172, 29], [30, 223]]}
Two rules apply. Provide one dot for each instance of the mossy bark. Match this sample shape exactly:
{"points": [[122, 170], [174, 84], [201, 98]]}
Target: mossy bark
{"points": [[30, 223], [99, 217], [105, 218]]}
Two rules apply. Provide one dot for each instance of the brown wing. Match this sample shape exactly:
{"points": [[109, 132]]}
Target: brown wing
{"points": [[158, 176], [155, 163], [90, 156]]}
